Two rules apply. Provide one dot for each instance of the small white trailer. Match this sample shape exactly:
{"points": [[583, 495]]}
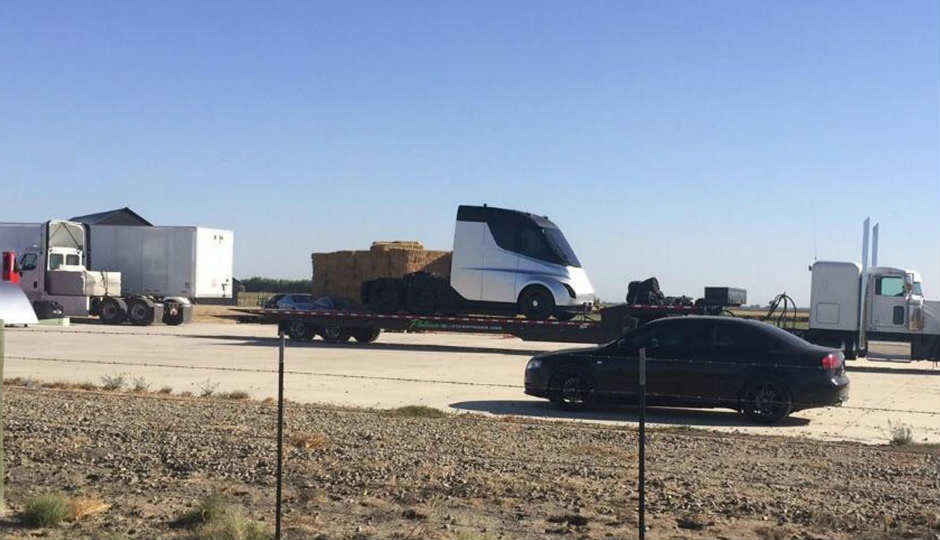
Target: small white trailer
{"points": [[192, 262]]}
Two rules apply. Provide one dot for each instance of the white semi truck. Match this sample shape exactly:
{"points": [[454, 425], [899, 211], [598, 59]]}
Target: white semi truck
{"points": [[504, 262], [851, 304], [139, 275]]}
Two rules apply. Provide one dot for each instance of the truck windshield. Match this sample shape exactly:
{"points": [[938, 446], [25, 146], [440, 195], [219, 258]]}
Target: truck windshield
{"points": [[918, 289], [560, 246]]}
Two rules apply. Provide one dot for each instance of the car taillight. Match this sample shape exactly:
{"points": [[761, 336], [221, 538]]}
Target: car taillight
{"points": [[832, 360]]}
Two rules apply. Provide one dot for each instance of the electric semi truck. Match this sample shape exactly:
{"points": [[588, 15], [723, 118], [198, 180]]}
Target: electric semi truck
{"points": [[505, 262]]}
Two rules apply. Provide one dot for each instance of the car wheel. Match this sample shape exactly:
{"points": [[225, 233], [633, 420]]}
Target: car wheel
{"points": [[571, 391], [536, 303], [334, 334], [766, 402]]}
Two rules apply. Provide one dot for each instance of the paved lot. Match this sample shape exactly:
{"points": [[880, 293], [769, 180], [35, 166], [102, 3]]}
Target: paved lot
{"points": [[463, 372]]}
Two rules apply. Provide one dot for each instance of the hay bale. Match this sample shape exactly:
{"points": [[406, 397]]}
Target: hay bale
{"points": [[341, 273]]}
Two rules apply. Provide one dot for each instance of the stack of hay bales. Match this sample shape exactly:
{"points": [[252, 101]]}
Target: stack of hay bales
{"points": [[341, 273]]}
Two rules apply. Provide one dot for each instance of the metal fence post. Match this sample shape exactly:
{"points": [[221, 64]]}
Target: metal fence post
{"points": [[641, 480], [280, 432]]}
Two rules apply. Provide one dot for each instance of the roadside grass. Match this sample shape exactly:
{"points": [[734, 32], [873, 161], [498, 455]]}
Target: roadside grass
{"points": [[307, 441], [141, 385], [235, 394], [113, 383], [207, 388], [216, 518], [81, 507], [415, 411], [166, 390], [901, 434], [46, 510]]}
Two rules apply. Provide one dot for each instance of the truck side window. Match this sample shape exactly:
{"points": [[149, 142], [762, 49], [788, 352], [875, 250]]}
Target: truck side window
{"points": [[28, 262], [890, 286], [72, 260], [55, 261], [504, 231], [532, 244]]}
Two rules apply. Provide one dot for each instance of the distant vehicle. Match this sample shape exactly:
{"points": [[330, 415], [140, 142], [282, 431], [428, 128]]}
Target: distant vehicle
{"points": [[758, 369], [505, 262], [299, 330], [290, 301]]}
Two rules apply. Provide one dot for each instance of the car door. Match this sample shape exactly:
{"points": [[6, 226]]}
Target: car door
{"points": [[738, 350], [615, 368], [679, 347]]}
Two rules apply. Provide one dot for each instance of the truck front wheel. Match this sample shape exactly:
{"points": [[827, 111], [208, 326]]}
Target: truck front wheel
{"points": [[536, 303], [112, 310]]}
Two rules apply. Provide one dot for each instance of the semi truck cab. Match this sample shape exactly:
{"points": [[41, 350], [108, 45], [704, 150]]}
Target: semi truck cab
{"points": [[514, 258], [849, 306]]}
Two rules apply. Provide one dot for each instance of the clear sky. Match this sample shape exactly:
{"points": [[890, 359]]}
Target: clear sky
{"points": [[706, 143]]}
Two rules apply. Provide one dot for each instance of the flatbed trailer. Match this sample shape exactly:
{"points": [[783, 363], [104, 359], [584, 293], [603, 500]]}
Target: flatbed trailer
{"points": [[338, 326]]}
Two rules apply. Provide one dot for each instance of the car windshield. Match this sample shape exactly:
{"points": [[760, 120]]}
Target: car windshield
{"points": [[560, 246]]}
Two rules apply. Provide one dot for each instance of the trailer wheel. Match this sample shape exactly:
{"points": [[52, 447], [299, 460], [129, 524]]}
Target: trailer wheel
{"points": [[173, 314], [112, 310], [366, 335], [536, 303], [140, 311], [298, 330], [334, 334]]}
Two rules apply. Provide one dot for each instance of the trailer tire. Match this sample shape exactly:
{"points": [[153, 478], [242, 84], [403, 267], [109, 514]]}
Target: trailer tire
{"points": [[536, 303], [171, 317], [366, 335], [112, 310], [298, 330], [140, 311], [334, 334]]}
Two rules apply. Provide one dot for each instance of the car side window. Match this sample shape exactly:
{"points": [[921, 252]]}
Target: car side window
{"points": [[739, 339], [678, 340]]}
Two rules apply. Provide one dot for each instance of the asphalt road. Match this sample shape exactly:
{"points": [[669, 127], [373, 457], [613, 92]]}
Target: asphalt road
{"points": [[460, 372]]}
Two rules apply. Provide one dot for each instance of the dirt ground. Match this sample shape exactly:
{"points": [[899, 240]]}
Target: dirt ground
{"points": [[359, 474]]}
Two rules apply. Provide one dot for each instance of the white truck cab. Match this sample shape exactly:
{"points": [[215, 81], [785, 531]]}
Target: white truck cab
{"points": [[518, 259], [851, 304]]}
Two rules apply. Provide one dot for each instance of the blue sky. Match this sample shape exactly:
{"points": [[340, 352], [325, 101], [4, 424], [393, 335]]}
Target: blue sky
{"points": [[706, 143]]}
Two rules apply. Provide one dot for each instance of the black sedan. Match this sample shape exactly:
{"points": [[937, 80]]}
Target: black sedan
{"points": [[753, 367]]}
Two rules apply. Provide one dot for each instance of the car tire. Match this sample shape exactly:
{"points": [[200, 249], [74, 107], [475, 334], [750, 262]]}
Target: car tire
{"points": [[571, 391], [766, 402], [112, 310], [366, 335], [536, 303], [334, 334]]}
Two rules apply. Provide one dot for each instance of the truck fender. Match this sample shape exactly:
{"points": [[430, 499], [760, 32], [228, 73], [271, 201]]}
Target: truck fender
{"points": [[558, 290]]}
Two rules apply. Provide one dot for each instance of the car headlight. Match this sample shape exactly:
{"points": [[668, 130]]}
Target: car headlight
{"points": [[535, 363]]}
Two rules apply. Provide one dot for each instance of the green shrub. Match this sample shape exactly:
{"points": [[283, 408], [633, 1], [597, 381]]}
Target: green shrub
{"points": [[46, 510]]}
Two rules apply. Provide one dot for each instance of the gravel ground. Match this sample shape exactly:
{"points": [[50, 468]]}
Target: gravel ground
{"points": [[371, 474]]}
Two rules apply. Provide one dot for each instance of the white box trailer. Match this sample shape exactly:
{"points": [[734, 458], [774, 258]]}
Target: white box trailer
{"points": [[192, 262]]}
